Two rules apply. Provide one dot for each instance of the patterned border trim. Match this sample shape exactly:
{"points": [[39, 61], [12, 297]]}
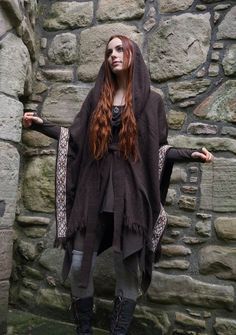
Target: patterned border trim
{"points": [[162, 218], [159, 228], [162, 156], [61, 168]]}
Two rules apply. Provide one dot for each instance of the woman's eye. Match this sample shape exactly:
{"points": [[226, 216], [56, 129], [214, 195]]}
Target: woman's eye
{"points": [[120, 49]]}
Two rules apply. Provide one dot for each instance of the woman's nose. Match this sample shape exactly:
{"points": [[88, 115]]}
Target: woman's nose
{"points": [[113, 54]]}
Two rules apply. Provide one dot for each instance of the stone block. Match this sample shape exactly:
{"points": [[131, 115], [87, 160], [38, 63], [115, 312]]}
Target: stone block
{"points": [[52, 259], [35, 139], [198, 128], [176, 119], [229, 61], [189, 189], [39, 184], [201, 7], [167, 240], [222, 7], [14, 66], [187, 202], [187, 103], [4, 289], [69, 15], [35, 232], [64, 75], [27, 250], [212, 144], [30, 221], [39, 88], [225, 326], [225, 228], [5, 24], [13, 10], [92, 46], [188, 321], [213, 70], [187, 89], [109, 10], [218, 186], [32, 273], [179, 221], [175, 250], [184, 290], [33, 10], [43, 42], [218, 45], [9, 167], [172, 6], [227, 28], [203, 228], [178, 264], [11, 116], [230, 131], [151, 22], [52, 299], [30, 284], [218, 260], [192, 240], [156, 321], [179, 45], [26, 32], [63, 103], [204, 216], [171, 196], [63, 49], [218, 106], [6, 240], [26, 296], [215, 56], [178, 175]]}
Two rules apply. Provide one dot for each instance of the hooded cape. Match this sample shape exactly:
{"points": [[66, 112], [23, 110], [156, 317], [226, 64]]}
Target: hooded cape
{"points": [[139, 187]]}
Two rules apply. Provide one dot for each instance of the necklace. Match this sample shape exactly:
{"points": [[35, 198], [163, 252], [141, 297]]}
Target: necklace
{"points": [[116, 109]]}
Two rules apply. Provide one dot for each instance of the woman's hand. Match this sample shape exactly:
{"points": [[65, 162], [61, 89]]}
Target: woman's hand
{"points": [[29, 118], [205, 155]]}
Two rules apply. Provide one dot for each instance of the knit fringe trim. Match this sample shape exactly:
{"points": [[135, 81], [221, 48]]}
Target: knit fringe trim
{"points": [[79, 226], [134, 226], [60, 242]]}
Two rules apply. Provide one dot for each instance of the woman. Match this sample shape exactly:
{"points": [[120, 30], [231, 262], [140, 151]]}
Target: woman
{"points": [[113, 171]]}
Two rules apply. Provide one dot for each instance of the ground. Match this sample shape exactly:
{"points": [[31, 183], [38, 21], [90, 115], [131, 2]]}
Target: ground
{"points": [[22, 323]]}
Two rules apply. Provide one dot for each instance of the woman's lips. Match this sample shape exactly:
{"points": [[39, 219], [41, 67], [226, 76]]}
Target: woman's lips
{"points": [[116, 63]]}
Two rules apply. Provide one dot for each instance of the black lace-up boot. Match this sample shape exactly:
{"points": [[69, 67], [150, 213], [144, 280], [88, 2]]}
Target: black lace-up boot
{"points": [[83, 313], [122, 315]]}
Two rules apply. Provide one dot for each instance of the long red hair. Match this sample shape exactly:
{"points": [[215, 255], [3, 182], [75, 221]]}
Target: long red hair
{"points": [[100, 124]]}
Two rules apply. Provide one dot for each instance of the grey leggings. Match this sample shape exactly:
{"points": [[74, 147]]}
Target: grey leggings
{"points": [[127, 282]]}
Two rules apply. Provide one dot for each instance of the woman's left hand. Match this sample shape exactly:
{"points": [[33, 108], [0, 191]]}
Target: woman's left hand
{"points": [[205, 155]]}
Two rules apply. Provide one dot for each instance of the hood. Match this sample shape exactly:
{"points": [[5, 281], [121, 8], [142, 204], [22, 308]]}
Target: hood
{"points": [[141, 82]]}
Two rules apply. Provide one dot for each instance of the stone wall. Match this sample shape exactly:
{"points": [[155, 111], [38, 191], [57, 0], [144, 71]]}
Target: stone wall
{"points": [[17, 53], [190, 49]]}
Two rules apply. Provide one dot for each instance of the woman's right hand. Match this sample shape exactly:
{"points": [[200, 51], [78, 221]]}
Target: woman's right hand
{"points": [[29, 118]]}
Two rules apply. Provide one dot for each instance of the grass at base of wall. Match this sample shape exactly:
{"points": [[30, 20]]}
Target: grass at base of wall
{"points": [[24, 323]]}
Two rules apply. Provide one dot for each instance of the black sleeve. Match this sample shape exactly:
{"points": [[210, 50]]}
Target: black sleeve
{"points": [[47, 128], [162, 122], [182, 155]]}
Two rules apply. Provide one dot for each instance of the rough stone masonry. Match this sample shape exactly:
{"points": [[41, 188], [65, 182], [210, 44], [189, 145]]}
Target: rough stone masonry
{"points": [[50, 52]]}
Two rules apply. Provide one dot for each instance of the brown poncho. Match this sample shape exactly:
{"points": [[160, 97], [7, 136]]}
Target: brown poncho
{"points": [[139, 187]]}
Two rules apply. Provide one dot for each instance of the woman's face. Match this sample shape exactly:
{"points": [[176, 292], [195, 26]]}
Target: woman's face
{"points": [[115, 55]]}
